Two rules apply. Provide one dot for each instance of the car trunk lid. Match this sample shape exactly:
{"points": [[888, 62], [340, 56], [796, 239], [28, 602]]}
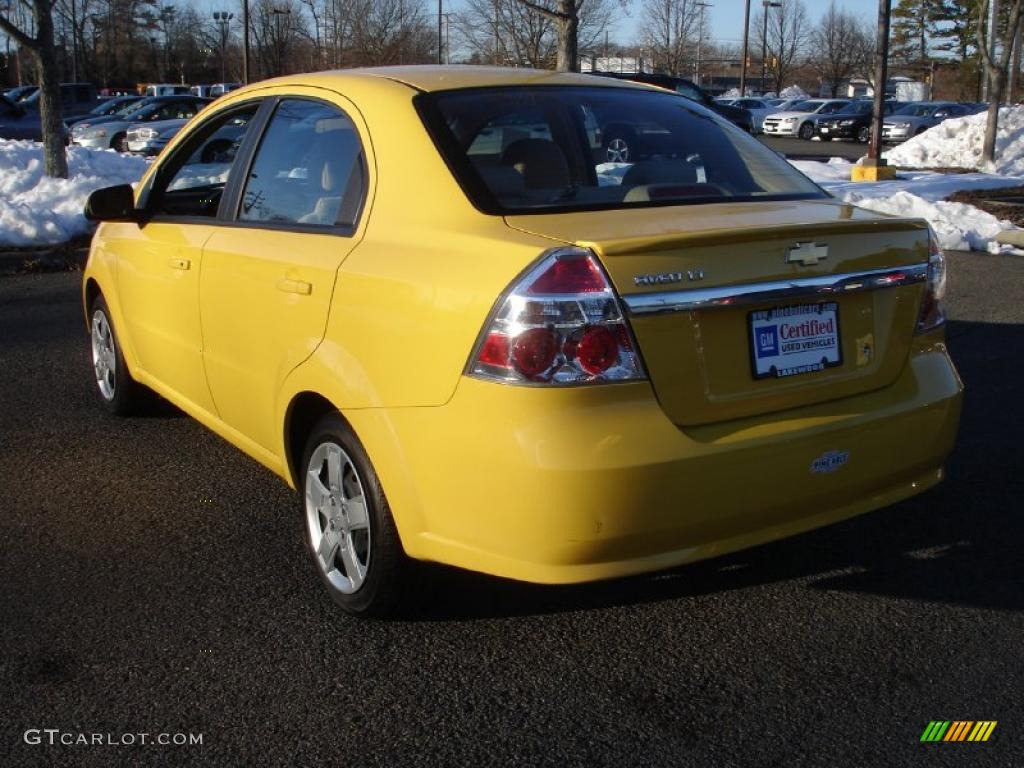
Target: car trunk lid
{"points": [[716, 292]]}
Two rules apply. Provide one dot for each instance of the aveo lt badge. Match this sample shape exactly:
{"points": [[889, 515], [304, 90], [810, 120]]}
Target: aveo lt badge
{"points": [[829, 462]]}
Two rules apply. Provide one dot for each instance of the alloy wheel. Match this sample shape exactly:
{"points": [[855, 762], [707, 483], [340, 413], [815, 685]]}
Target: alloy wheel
{"points": [[104, 356], [337, 517]]}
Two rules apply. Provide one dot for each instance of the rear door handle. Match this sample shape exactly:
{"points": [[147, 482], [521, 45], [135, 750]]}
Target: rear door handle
{"points": [[179, 263], [300, 287]]}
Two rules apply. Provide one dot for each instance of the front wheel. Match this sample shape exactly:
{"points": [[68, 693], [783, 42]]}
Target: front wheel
{"points": [[619, 146], [350, 533], [120, 142], [806, 131], [864, 135], [119, 392]]}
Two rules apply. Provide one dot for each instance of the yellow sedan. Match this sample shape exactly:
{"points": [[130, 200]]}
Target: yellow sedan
{"points": [[425, 298]]}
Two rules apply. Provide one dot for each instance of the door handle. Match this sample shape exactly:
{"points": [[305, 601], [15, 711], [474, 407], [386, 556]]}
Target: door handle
{"points": [[300, 287], [179, 263]]}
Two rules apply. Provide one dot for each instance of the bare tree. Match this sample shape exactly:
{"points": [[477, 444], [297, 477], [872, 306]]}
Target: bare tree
{"points": [[786, 42], [41, 45], [835, 42], [568, 18], [996, 66], [669, 31]]}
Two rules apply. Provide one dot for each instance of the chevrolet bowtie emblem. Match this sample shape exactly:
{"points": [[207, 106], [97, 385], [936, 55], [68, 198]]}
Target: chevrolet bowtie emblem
{"points": [[807, 254]]}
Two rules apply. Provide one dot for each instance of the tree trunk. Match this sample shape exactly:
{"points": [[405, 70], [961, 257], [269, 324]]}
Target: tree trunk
{"points": [[995, 92], [55, 161], [568, 38]]}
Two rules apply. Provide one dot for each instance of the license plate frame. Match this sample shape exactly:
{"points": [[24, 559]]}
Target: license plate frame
{"points": [[768, 348]]}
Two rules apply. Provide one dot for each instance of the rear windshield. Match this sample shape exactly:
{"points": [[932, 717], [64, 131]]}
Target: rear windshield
{"points": [[538, 149]]}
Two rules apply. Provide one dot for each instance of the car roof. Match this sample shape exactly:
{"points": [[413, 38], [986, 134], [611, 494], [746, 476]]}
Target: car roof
{"points": [[429, 78]]}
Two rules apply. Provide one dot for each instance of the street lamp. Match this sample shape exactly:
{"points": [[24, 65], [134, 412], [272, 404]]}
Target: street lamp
{"points": [[700, 36], [764, 42], [278, 13], [222, 19]]}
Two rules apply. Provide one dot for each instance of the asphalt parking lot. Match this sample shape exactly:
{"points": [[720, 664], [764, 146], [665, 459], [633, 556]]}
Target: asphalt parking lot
{"points": [[153, 581], [808, 150]]}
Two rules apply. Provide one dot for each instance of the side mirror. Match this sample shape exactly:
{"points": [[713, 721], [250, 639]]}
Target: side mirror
{"points": [[112, 204]]}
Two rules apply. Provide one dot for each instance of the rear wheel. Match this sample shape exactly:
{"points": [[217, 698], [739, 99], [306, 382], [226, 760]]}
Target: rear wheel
{"points": [[120, 142], [350, 533], [806, 131]]}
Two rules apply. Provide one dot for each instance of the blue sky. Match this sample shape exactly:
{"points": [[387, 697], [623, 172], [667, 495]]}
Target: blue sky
{"points": [[725, 17]]}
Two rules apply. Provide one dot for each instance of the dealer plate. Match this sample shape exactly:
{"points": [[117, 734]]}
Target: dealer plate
{"points": [[787, 341]]}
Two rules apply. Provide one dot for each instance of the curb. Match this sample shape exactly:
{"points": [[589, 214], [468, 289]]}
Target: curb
{"points": [[59, 258]]}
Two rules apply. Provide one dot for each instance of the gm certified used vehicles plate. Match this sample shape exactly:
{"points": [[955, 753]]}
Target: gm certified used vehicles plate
{"points": [[424, 298]]}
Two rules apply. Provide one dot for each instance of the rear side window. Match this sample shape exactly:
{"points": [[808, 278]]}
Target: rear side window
{"points": [[537, 149], [308, 169]]}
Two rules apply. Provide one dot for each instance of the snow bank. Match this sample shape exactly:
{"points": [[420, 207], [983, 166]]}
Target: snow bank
{"points": [[38, 210], [920, 194], [794, 92], [956, 143]]}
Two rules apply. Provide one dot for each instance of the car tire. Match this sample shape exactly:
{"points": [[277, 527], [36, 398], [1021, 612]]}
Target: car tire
{"points": [[619, 146], [806, 131], [349, 531], [864, 134], [119, 392], [119, 142], [920, 130]]}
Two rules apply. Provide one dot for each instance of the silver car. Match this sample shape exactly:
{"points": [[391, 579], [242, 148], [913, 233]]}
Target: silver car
{"points": [[113, 133], [918, 116], [151, 138]]}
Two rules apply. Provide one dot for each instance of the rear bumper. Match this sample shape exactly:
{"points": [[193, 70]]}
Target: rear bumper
{"points": [[559, 486]]}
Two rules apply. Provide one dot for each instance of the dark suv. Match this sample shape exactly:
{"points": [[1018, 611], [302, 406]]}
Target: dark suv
{"points": [[737, 116], [854, 122]]}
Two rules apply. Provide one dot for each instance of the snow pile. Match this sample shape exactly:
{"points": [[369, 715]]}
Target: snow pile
{"points": [[732, 93], [920, 194], [956, 143], [794, 92], [38, 210]]}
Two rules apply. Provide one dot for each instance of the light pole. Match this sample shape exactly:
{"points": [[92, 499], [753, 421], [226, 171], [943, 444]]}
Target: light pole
{"points": [[245, 42], [222, 20], [278, 13], [746, 46], [764, 42], [700, 37], [440, 38]]}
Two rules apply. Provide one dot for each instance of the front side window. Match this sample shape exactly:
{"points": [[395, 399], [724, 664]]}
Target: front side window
{"points": [[533, 149], [198, 172], [308, 169]]}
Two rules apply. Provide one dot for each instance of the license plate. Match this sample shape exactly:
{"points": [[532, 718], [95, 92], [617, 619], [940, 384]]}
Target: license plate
{"points": [[786, 341], [824, 130]]}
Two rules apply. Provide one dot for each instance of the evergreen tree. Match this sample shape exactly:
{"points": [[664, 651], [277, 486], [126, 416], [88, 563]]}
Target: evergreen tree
{"points": [[913, 24]]}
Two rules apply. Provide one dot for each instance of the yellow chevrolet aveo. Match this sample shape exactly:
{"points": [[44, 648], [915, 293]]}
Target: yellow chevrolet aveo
{"points": [[545, 326]]}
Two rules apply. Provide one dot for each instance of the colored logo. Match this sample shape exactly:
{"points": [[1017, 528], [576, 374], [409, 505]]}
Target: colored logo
{"points": [[829, 461], [958, 730], [768, 341]]}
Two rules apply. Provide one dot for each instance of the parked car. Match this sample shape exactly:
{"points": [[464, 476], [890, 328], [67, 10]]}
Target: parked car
{"points": [[16, 122], [797, 120], [758, 109], [166, 89], [735, 115], [918, 116], [106, 108], [112, 131], [20, 92], [400, 327], [219, 89], [202, 91], [76, 99], [854, 122], [151, 138]]}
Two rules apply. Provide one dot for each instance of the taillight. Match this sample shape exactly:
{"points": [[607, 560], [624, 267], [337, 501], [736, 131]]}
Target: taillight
{"points": [[560, 324], [932, 314]]}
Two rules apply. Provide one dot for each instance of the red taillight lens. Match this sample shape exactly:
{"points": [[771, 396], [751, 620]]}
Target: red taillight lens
{"points": [[569, 276], [533, 352], [598, 349], [560, 324]]}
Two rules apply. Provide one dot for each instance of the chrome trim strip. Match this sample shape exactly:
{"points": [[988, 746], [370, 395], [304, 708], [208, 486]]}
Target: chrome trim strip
{"points": [[777, 290]]}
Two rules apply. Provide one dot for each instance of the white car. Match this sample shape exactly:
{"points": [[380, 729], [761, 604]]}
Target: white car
{"points": [[799, 119]]}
